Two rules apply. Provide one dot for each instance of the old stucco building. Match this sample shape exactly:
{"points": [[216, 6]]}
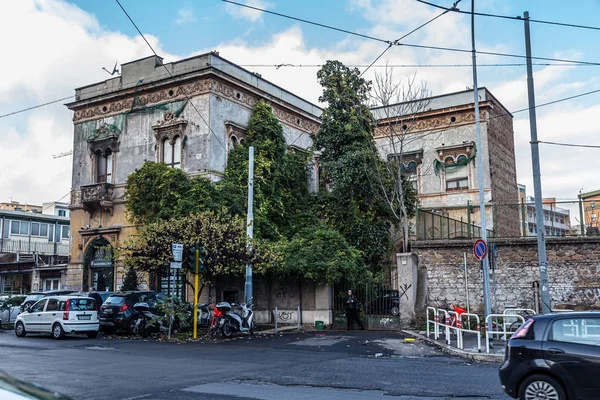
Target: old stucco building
{"points": [[438, 153], [188, 120]]}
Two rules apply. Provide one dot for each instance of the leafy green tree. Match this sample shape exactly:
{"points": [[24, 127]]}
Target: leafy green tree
{"points": [[322, 255], [130, 281], [156, 192], [280, 178], [221, 235], [345, 139]]}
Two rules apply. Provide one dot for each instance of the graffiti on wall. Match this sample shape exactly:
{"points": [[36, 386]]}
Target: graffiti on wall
{"points": [[573, 295]]}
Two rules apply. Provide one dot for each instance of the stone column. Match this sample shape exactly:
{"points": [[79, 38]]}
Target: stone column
{"points": [[324, 304], [407, 264]]}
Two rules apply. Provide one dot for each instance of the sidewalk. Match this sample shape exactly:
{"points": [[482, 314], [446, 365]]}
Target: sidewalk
{"points": [[470, 351]]}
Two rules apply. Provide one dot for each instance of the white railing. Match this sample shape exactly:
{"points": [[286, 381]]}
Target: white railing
{"points": [[491, 331], [466, 326], [26, 246]]}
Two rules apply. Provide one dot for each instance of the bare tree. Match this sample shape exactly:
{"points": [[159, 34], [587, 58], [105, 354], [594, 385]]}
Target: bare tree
{"points": [[397, 108]]}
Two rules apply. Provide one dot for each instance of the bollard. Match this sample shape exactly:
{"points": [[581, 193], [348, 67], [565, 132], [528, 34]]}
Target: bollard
{"points": [[276, 317]]}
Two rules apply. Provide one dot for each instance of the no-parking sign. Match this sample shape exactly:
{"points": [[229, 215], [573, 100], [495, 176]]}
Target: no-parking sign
{"points": [[480, 249]]}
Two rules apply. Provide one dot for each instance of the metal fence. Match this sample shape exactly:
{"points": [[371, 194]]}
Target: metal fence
{"points": [[379, 306], [433, 226], [561, 218], [25, 246]]}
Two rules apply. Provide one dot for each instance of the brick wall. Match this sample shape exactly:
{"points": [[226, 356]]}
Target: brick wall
{"points": [[503, 173], [573, 267]]}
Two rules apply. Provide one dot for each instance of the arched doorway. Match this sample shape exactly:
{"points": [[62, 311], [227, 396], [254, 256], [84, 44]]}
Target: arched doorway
{"points": [[98, 269]]}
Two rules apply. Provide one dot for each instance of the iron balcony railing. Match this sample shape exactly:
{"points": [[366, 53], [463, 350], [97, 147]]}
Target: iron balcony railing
{"points": [[30, 247]]}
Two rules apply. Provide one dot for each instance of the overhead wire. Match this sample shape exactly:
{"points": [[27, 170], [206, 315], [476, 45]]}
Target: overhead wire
{"points": [[277, 66], [517, 18], [171, 75], [590, 146], [441, 48], [405, 36], [34, 107]]}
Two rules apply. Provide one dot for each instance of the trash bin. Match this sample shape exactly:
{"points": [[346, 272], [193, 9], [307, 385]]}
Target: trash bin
{"points": [[319, 325]]}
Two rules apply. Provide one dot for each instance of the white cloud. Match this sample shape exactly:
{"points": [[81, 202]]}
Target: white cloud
{"points": [[71, 52], [185, 16], [249, 14]]}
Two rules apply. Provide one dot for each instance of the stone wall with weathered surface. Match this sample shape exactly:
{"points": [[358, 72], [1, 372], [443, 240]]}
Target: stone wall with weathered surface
{"points": [[503, 170], [573, 267]]}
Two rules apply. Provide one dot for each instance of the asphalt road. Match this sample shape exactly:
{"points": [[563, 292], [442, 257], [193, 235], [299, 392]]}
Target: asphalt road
{"points": [[289, 366]]}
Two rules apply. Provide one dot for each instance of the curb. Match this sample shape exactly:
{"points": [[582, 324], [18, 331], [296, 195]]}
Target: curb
{"points": [[458, 352]]}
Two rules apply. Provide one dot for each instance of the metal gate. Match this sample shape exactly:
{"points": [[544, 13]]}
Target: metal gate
{"points": [[379, 307]]}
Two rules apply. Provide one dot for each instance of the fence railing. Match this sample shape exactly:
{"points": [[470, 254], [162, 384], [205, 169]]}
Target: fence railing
{"points": [[25, 246], [561, 218], [433, 226]]}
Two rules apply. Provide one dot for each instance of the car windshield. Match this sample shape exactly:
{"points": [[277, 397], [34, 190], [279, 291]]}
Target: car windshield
{"points": [[82, 305], [33, 298], [115, 300]]}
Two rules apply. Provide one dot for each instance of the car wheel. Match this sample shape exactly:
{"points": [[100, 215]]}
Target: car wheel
{"points": [[20, 329], [92, 335], [537, 387], [57, 331], [395, 311]]}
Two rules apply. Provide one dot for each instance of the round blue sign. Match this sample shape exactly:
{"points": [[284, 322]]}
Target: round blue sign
{"points": [[480, 249]]}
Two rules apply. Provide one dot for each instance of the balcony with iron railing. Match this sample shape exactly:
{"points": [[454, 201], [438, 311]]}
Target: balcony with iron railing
{"points": [[30, 247], [97, 195]]}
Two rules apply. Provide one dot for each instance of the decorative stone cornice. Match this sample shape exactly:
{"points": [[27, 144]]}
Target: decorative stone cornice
{"points": [[433, 120], [198, 87]]}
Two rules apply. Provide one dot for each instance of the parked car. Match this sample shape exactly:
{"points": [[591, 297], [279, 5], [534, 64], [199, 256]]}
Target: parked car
{"points": [[10, 307], [117, 312], [100, 297], [35, 296], [15, 389], [59, 315], [554, 356], [386, 302]]}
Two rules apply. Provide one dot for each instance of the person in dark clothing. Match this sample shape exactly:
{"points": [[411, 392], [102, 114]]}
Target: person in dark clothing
{"points": [[352, 310]]}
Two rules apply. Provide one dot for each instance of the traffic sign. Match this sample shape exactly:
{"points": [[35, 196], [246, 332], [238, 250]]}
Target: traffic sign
{"points": [[175, 265], [177, 250], [480, 249]]}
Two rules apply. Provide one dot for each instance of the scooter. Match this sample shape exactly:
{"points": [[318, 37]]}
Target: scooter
{"points": [[234, 322], [146, 322]]}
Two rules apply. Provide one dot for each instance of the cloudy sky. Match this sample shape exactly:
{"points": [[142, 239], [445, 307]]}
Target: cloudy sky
{"points": [[51, 47]]}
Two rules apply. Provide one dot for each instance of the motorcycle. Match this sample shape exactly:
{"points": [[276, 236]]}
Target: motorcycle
{"points": [[147, 322], [233, 322], [204, 314]]}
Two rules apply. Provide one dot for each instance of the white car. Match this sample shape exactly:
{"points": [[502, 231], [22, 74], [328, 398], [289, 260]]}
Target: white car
{"points": [[59, 315]]}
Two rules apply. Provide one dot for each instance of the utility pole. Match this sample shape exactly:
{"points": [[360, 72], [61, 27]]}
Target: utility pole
{"points": [[250, 223], [482, 211], [537, 180]]}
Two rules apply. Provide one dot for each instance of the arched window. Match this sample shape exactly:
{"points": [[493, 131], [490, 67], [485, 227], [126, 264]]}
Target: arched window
{"points": [[411, 168], [449, 161], [104, 166], [171, 152], [233, 142], [461, 159]]}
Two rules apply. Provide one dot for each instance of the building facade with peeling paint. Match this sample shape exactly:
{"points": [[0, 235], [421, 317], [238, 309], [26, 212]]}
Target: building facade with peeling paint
{"points": [[187, 114]]}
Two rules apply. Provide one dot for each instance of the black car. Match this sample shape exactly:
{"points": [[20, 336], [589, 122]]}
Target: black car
{"points": [[99, 297], [554, 356], [117, 312], [35, 296], [386, 302]]}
